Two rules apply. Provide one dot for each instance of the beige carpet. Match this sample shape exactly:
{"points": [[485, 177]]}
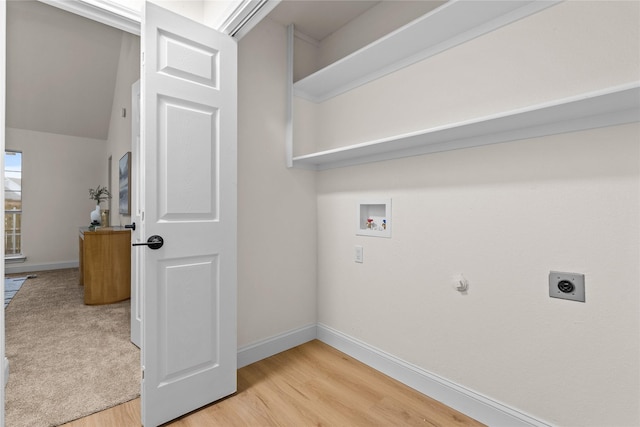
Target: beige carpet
{"points": [[67, 359]]}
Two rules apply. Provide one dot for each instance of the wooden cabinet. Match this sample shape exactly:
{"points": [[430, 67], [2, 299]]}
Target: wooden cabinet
{"points": [[105, 264]]}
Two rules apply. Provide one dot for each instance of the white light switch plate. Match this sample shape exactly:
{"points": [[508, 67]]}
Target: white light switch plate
{"points": [[358, 254]]}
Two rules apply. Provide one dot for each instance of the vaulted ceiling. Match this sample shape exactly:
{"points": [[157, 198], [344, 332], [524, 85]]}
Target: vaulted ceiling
{"points": [[61, 71]]}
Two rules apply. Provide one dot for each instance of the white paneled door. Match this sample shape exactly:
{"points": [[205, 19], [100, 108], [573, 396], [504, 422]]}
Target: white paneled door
{"points": [[188, 149]]}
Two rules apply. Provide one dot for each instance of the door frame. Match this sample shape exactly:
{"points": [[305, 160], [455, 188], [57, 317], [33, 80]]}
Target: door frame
{"points": [[235, 20], [246, 14], [4, 371]]}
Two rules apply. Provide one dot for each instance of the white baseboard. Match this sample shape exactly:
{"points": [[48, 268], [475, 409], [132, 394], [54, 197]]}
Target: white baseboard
{"points": [[469, 402], [460, 398], [28, 268], [268, 347]]}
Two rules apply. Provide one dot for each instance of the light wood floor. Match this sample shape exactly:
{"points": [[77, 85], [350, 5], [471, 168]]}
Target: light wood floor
{"points": [[312, 384]]}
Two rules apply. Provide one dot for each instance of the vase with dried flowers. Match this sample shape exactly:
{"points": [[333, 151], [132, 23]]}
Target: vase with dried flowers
{"points": [[98, 194]]}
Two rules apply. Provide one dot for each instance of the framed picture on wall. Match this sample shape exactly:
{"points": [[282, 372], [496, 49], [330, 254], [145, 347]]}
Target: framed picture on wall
{"points": [[125, 179]]}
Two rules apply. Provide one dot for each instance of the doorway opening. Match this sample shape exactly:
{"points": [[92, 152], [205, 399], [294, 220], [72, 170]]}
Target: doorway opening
{"points": [[65, 77]]}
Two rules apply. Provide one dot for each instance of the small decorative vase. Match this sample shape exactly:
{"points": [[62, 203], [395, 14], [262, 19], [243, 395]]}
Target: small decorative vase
{"points": [[104, 218], [95, 215]]}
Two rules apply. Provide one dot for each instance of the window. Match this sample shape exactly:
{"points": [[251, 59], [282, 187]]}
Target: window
{"points": [[12, 204]]}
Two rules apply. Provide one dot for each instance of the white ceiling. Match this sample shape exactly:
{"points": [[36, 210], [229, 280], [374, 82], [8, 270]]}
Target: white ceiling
{"points": [[61, 71]]}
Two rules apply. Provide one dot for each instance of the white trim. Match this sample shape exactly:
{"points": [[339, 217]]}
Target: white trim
{"points": [[41, 267], [237, 20], [227, 14], [237, 13], [460, 398], [4, 373], [268, 347], [101, 11], [132, 13], [289, 125], [15, 259], [243, 15]]}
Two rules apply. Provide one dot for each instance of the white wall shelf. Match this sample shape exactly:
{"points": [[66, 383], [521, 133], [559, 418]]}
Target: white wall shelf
{"points": [[453, 23], [609, 107]]}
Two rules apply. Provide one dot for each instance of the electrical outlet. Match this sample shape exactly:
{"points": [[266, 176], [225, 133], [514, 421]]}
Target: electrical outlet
{"points": [[566, 286]]}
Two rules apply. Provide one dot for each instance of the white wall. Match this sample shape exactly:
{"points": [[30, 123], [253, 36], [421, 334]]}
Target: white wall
{"points": [[276, 206], [306, 56], [119, 141], [58, 171], [503, 215]]}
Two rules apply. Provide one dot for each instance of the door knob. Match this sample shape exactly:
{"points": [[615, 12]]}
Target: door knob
{"points": [[131, 226], [154, 242]]}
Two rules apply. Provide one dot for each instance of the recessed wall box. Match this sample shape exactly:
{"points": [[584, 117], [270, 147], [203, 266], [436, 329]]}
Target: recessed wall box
{"points": [[374, 218]]}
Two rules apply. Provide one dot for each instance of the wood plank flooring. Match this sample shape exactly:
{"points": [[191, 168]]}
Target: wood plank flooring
{"points": [[313, 384]]}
